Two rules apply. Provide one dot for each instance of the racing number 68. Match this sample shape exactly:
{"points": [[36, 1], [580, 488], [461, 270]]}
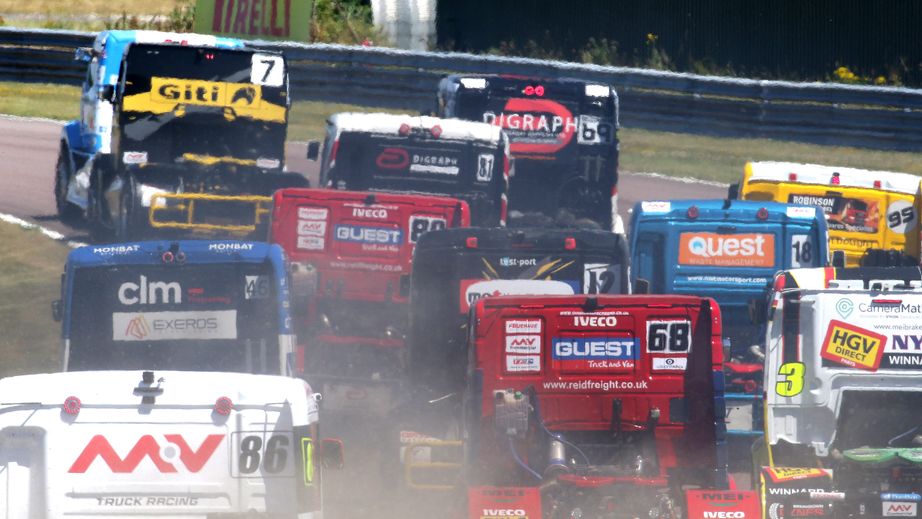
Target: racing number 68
{"points": [[793, 383]]}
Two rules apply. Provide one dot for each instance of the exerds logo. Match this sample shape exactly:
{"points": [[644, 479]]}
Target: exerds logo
{"points": [[727, 250]]}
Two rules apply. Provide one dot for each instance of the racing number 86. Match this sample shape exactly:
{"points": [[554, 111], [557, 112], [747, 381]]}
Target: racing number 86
{"points": [[793, 383], [273, 460]]}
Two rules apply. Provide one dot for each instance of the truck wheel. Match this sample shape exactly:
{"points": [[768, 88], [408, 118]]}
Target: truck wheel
{"points": [[67, 212], [129, 226]]}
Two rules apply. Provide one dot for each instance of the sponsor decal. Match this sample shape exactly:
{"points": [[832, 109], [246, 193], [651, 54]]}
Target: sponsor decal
{"points": [[534, 126], [173, 91], [800, 212], [523, 343], [313, 213], [189, 459], [596, 385], [312, 228], [844, 307], [310, 243], [167, 326], [378, 213], [504, 502], [230, 246], [473, 289], [595, 321], [710, 504], [844, 213], [434, 163], [135, 501], [506, 261], [107, 250], [852, 346], [900, 496], [502, 513], [197, 295], [782, 474], [368, 235], [670, 363], [134, 157], [393, 158], [656, 206], [523, 363], [899, 509], [595, 353], [147, 292], [726, 250], [523, 326], [902, 308]]}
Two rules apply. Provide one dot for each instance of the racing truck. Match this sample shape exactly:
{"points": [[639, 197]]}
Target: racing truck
{"points": [[418, 155], [842, 434], [177, 131], [174, 399], [592, 406], [563, 135], [863, 209], [728, 250], [350, 259]]}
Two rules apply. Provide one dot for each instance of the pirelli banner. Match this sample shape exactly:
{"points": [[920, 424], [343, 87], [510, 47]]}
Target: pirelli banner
{"points": [[255, 19]]}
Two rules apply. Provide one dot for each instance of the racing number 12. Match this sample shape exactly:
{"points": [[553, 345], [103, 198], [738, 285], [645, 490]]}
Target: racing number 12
{"points": [[793, 383]]}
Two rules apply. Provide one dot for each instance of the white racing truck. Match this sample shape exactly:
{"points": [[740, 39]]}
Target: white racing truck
{"points": [[166, 443], [843, 363]]}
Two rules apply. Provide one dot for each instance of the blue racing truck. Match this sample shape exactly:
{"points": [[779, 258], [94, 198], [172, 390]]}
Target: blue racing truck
{"points": [[728, 250]]}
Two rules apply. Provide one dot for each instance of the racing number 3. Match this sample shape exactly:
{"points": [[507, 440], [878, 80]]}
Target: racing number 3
{"points": [[272, 461], [793, 383]]}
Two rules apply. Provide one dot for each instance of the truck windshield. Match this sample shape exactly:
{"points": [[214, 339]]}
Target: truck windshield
{"points": [[197, 318]]}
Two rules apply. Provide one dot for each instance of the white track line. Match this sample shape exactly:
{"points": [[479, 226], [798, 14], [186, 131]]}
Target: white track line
{"points": [[8, 117], [54, 235], [684, 180]]}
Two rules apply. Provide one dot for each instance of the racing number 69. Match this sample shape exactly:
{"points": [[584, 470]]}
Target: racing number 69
{"points": [[793, 383]]}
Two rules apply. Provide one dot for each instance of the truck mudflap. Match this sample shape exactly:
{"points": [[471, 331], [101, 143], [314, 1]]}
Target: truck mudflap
{"points": [[504, 503], [243, 214], [722, 504], [789, 492]]}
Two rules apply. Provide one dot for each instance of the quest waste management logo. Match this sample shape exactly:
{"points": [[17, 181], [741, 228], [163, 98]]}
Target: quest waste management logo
{"points": [[844, 307], [726, 250]]}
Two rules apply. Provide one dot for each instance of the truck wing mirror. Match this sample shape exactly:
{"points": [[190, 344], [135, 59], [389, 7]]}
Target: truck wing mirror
{"points": [[838, 258], [107, 92], [84, 54], [733, 191], [642, 286], [313, 150], [332, 453], [56, 312], [757, 310]]}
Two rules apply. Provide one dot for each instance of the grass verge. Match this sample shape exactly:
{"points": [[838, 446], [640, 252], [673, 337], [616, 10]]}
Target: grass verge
{"points": [[676, 154], [30, 270], [81, 8]]}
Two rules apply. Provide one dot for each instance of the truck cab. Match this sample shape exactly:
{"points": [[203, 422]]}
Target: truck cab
{"points": [[863, 209], [600, 405], [842, 364], [418, 155], [350, 257], [563, 135]]}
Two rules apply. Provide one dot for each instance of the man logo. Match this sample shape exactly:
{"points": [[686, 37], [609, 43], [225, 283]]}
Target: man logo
{"points": [[137, 328], [148, 447]]}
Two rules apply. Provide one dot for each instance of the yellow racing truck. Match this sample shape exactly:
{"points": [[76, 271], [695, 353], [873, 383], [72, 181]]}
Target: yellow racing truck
{"points": [[864, 209]]}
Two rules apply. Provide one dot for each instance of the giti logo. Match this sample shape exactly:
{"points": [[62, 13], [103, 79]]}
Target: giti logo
{"points": [[205, 93], [137, 328]]}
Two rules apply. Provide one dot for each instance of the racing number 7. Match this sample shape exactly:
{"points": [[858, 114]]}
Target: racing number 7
{"points": [[793, 383], [270, 63]]}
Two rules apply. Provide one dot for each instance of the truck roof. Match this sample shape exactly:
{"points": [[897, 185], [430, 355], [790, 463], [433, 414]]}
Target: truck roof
{"points": [[151, 252], [848, 177], [579, 301], [848, 278], [110, 388], [508, 79], [521, 238], [452, 129], [723, 210]]}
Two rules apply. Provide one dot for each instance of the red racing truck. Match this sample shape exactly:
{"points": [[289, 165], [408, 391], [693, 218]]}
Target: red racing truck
{"points": [[350, 257], [592, 405]]}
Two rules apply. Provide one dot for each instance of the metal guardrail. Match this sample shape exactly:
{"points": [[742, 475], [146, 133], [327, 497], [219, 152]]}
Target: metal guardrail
{"points": [[887, 118]]}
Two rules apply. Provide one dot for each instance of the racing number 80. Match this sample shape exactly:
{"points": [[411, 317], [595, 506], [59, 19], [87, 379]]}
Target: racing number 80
{"points": [[793, 383]]}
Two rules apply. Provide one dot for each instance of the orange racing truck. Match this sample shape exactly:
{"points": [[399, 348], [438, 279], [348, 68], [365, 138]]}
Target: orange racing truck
{"points": [[592, 406], [864, 209], [350, 258]]}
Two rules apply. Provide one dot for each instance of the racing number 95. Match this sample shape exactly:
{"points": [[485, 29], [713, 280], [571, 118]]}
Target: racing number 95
{"points": [[793, 383]]}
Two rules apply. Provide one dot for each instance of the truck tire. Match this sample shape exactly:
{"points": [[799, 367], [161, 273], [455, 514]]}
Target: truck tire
{"points": [[67, 212], [130, 224]]}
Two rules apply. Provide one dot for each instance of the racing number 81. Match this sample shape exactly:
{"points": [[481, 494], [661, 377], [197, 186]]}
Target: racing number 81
{"points": [[793, 383]]}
